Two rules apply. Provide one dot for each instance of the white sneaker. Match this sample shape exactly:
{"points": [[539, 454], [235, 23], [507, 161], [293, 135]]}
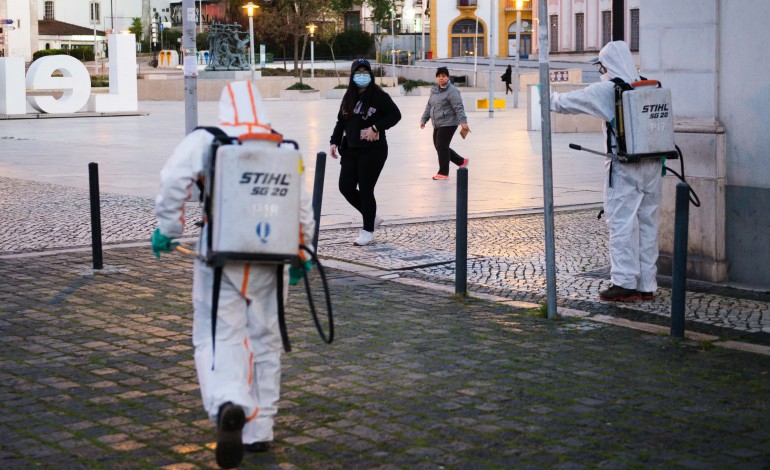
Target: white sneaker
{"points": [[364, 238], [378, 221]]}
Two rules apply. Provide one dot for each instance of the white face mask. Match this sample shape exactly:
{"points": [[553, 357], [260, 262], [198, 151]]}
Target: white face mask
{"points": [[604, 77]]}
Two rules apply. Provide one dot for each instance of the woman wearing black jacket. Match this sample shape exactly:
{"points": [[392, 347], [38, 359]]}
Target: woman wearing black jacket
{"points": [[359, 138]]}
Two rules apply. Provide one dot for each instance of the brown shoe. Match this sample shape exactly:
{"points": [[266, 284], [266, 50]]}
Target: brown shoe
{"points": [[618, 294]]}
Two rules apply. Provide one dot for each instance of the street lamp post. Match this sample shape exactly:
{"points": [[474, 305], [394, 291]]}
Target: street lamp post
{"points": [[250, 7], [393, 36], [476, 49], [96, 50], [311, 27], [492, 26], [518, 53]]}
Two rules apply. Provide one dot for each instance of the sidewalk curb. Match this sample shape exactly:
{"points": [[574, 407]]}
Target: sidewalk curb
{"points": [[562, 311]]}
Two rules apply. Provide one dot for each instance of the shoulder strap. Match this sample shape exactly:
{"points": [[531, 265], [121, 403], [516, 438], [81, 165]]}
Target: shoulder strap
{"points": [[218, 133], [621, 84]]}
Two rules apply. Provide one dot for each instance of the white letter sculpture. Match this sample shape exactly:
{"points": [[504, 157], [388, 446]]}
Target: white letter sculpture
{"points": [[75, 82]]}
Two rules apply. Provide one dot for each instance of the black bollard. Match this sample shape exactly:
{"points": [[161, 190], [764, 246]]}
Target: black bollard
{"points": [[679, 264], [461, 229], [318, 194], [96, 215]]}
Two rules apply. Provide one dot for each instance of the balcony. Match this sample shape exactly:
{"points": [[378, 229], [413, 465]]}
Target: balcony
{"points": [[510, 5], [466, 3]]}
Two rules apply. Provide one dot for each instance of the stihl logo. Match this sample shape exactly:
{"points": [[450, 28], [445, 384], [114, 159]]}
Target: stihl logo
{"points": [[655, 108]]}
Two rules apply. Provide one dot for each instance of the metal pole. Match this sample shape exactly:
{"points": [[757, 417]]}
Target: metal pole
{"points": [[461, 237], [96, 50], [393, 36], [545, 116], [318, 194], [251, 46], [476, 51], [518, 52], [492, 14], [200, 16], [312, 56], [422, 29], [679, 264], [190, 66], [96, 216]]}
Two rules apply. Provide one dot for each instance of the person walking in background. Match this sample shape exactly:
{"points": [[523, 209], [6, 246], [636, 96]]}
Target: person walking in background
{"points": [[632, 190], [365, 113], [445, 109], [506, 77]]}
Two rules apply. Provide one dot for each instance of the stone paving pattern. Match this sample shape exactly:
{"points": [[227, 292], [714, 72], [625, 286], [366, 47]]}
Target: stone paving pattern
{"points": [[97, 372], [506, 254]]}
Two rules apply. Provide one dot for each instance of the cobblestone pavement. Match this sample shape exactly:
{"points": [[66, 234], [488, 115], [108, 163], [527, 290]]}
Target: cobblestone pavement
{"points": [[97, 372], [506, 254]]}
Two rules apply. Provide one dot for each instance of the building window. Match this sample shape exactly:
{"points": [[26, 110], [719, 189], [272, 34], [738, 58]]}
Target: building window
{"points": [[525, 34], [466, 3], [580, 33], [48, 11], [462, 40], [634, 29], [554, 47], [353, 21], [606, 27], [95, 12], [466, 27]]}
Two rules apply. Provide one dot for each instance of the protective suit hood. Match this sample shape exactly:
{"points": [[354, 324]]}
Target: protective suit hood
{"points": [[616, 58], [241, 110]]}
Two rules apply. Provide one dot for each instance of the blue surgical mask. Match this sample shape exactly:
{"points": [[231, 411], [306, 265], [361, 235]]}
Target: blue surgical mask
{"points": [[362, 80]]}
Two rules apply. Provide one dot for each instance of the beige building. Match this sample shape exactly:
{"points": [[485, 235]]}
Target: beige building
{"points": [[574, 26]]}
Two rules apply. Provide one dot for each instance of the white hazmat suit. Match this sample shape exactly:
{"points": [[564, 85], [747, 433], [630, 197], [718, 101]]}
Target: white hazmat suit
{"points": [[632, 190], [247, 371]]}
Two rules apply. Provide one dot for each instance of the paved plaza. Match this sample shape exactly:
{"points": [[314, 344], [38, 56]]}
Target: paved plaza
{"points": [[97, 365]]}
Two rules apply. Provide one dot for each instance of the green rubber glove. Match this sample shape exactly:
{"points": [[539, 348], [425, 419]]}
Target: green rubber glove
{"points": [[161, 242], [295, 274]]}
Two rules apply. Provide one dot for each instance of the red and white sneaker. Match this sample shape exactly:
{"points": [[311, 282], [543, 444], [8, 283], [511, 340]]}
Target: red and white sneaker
{"points": [[465, 162], [441, 177]]}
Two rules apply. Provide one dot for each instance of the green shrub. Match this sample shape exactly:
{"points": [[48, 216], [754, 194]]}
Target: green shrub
{"points": [[410, 85], [83, 53], [340, 87], [100, 81], [300, 86]]}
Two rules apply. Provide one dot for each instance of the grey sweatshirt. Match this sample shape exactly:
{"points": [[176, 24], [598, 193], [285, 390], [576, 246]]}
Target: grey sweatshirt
{"points": [[445, 107]]}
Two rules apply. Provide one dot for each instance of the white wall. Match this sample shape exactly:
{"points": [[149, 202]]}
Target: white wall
{"points": [[19, 41], [77, 12]]}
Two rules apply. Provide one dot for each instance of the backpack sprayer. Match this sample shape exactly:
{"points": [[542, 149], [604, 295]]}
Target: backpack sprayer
{"points": [[251, 201], [643, 127]]}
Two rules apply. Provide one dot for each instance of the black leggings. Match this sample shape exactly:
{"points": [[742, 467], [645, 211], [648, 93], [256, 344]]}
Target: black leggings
{"points": [[360, 171], [442, 137]]}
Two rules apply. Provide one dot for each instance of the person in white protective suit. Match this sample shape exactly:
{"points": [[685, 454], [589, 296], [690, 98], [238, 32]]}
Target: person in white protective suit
{"points": [[632, 190], [241, 390]]}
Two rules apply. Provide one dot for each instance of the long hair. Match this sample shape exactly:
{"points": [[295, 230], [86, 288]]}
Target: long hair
{"points": [[352, 96]]}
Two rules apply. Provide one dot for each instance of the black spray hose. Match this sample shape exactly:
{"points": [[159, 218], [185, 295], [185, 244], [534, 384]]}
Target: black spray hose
{"points": [[281, 312], [327, 339], [694, 200]]}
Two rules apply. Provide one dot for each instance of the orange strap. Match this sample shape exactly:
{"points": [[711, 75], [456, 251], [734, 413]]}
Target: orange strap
{"points": [[646, 83]]}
